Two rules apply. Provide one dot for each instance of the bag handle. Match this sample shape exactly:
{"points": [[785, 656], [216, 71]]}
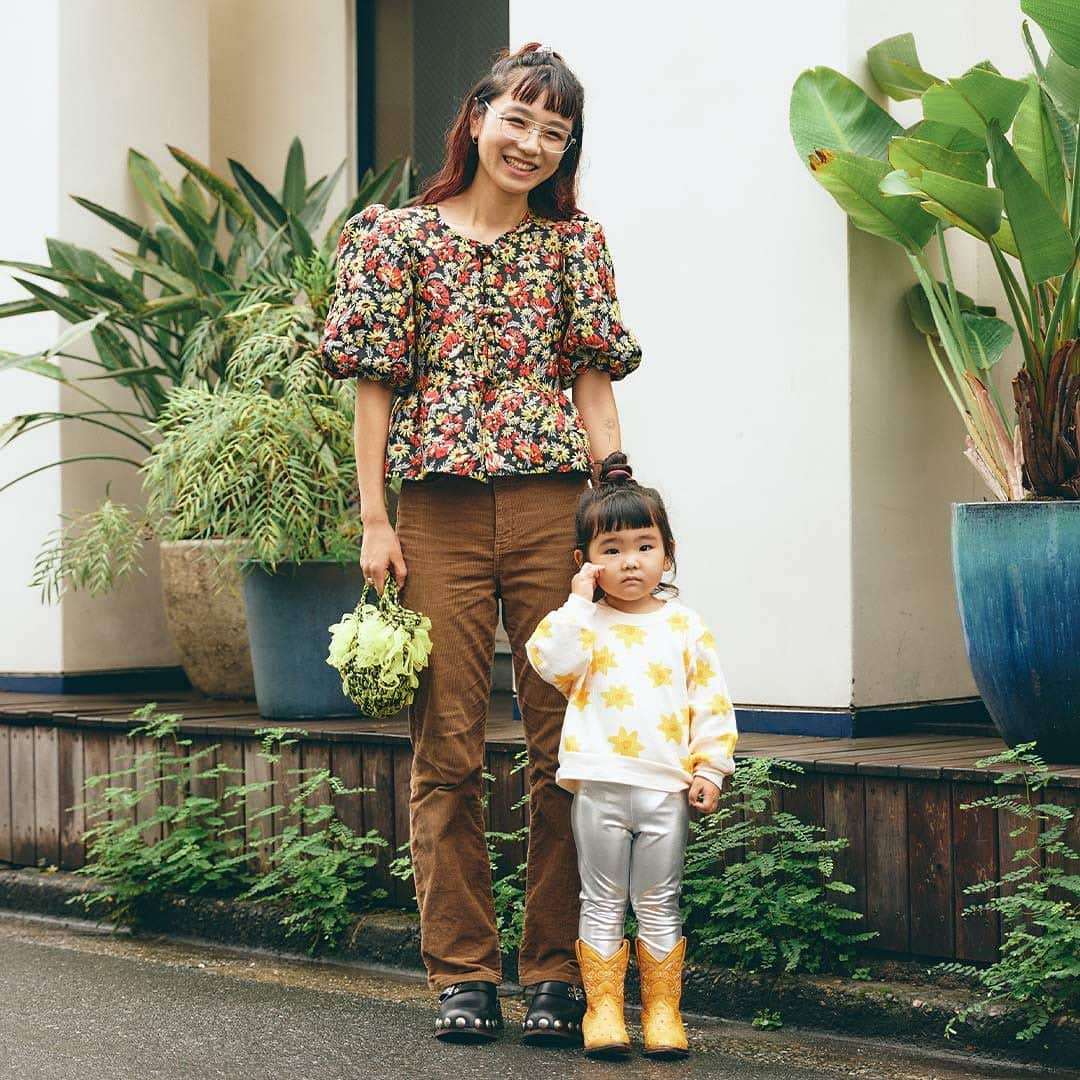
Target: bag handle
{"points": [[389, 595]]}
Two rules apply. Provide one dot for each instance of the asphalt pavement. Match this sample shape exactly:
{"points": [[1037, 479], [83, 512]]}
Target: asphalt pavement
{"points": [[79, 1003]]}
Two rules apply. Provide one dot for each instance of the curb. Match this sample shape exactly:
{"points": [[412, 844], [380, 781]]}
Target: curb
{"points": [[895, 1009]]}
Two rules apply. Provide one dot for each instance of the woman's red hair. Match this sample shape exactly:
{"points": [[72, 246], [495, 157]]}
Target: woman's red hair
{"points": [[532, 71]]}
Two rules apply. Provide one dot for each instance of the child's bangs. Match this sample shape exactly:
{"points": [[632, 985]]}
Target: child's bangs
{"points": [[625, 509], [557, 93]]}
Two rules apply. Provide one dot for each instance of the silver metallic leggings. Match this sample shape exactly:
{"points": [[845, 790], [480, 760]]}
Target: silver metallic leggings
{"points": [[631, 843]]}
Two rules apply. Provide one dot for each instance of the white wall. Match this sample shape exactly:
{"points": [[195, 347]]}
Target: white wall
{"points": [[732, 270], [279, 69], [105, 75], [30, 634]]}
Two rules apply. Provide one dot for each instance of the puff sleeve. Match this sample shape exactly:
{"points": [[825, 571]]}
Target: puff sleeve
{"points": [[712, 717], [370, 330], [594, 336]]}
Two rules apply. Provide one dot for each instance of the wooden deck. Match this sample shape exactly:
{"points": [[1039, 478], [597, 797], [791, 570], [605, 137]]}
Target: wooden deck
{"points": [[896, 798]]}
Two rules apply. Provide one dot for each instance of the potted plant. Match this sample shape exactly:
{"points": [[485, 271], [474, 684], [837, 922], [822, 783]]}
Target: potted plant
{"points": [[214, 248], [997, 158]]}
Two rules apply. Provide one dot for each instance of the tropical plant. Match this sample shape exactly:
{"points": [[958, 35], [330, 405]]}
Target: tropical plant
{"points": [[910, 185], [222, 264]]}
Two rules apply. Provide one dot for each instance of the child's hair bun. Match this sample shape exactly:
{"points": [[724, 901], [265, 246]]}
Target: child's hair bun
{"points": [[615, 470]]}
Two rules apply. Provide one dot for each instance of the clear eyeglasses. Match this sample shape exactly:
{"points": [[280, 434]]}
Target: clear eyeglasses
{"points": [[552, 140]]}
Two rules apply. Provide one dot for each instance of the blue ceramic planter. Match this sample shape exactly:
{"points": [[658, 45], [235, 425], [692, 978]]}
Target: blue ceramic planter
{"points": [[288, 613], [1017, 572]]}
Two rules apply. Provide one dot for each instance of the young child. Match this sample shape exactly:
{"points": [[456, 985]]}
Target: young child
{"points": [[649, 733]]}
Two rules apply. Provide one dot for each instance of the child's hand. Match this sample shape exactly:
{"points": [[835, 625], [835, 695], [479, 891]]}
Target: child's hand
{"points": [[704, 795], [585, 580]]}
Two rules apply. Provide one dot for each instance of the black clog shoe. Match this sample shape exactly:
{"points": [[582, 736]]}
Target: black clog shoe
{"points": [[555, 1013], [469, 1012]]}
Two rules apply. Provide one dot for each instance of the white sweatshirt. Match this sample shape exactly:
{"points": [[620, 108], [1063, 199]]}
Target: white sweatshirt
{"points": [[647, 703]]}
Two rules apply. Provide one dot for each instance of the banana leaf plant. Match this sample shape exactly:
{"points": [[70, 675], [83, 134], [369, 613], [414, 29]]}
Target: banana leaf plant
{"points": [[157, 315], [997, 158]]}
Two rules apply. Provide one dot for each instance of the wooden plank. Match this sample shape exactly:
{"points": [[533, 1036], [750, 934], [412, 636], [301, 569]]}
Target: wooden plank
{"points": [[886, 862], [1027, 830], [95, 763], [46, 797], [1069, 798], [23, 827], [403, 893], [148, 783], [806, 799], [844, 815], [200, 785], [930, 881], [230, 753], [347, 763], [287, 780], [379, 808], [260, 830], [315, 756], [69, 746], [975, 859], [5, 794]]}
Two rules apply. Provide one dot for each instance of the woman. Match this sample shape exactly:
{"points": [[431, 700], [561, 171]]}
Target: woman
{"points": [[464, 320]]}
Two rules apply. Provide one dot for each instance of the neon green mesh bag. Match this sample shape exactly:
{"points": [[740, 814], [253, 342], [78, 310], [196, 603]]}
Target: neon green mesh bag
{"points": [[380, 649]]}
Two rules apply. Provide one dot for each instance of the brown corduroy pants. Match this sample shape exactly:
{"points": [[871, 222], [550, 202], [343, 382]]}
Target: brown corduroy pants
{"points": [[466, 545]]}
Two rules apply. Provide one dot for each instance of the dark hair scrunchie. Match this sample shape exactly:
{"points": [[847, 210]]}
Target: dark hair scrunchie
{"points": [[616, 470]]}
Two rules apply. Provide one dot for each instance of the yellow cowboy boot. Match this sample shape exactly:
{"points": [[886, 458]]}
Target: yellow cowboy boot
{"points": [[604, 1028], [661, 992]]}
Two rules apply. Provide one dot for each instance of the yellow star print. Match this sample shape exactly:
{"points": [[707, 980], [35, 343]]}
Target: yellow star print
{"points": [[586, 639], [707, 641], [671, 727], [603, 661], [580, 698], [727, 742], [629, 635], [693, 761], [626, 743], [536, 659], [618, 697], [720, 703], [660, 675], [701, 675], [679, 622], [564, 684], [543, 630], [571, 745]]}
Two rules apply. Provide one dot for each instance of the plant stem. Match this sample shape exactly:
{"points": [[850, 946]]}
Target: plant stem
{"points": [[1012, 293]]}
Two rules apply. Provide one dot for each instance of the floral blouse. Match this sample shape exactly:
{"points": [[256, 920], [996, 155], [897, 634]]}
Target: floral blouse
{"points": [[479, 341]]}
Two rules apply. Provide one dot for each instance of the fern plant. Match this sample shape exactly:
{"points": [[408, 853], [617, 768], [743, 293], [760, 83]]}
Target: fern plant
{"points": [[1038, 899], [201, 850], [758, 888]]}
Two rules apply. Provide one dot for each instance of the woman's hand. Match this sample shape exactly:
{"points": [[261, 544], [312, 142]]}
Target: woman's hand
{"points": [[704, 795], [380, 551], [586, 581]]}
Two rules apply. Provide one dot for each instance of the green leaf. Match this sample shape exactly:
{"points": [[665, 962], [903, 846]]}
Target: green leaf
{"points": [[921, 315], [915, 155], [829, 112], [987, 338], [214, 184], [61, 305], [894, 64], [974, 100], [149, 183], [159, 272], [262, 202], [193, 198], [854, 182], [951, 199], [125, 225], [318, 196], [293, 188], [948, 136], [301, 238], [1037, 148], [1063, 85], [20, 307], [1060, 21], [1046, 248]]}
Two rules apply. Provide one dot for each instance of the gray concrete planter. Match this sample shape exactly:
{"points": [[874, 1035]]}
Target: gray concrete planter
{"points": [[204, 609]]}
